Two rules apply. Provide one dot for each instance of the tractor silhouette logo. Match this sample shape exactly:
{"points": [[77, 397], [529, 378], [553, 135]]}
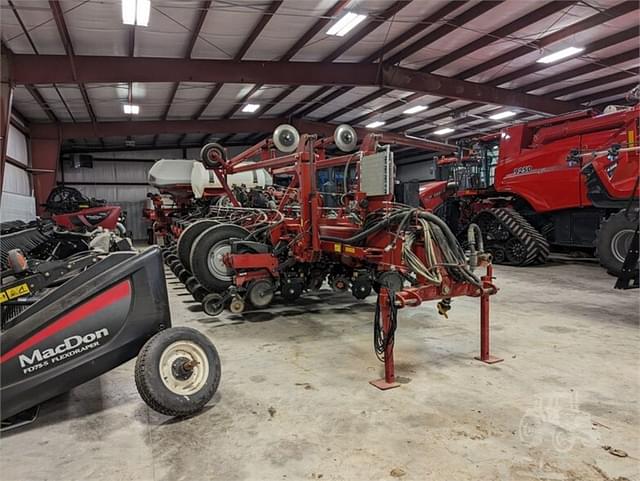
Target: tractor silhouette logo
{"points": [[556, 420]]}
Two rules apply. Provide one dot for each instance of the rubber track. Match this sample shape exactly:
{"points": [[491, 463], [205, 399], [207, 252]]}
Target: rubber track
{"points": [[535, 243]]}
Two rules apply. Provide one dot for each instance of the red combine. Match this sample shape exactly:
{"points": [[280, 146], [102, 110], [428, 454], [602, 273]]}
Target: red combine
{"points": [[568, 181]]}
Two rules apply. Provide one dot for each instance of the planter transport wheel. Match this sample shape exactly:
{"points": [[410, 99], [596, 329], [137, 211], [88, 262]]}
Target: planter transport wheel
{"points": [[177, 371]]}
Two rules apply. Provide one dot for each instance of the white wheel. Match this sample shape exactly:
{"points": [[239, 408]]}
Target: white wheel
{"points": [[184, 368]]}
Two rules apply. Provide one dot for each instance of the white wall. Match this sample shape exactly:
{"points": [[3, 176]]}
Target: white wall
{"points": [[17, 201], [130, 197]]}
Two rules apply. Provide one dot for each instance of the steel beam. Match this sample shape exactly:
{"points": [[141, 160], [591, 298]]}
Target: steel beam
{"points": [[119, 69], [6, 97], [195, 33], [67, 130], [44, 160], [378, 55], [354, 38], [590, 22], [532, 17]]}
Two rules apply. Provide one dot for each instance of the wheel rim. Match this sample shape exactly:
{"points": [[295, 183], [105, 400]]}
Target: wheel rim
{"points": [[215, 261], [184, 368], [620, 244], [515, 251]]}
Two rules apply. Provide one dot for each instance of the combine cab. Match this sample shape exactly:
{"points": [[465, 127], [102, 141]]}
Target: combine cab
{"points": [[565, 181]]}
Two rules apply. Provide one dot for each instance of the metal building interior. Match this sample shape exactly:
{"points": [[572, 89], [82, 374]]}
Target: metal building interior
{"points": [[278, 175]]}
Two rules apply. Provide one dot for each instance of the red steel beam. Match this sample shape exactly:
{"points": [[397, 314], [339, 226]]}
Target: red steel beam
{"points": [[539, 44], [510, 55], [449, 27], [257, 30], [597, 82], [68, 130], [319, 98], [195, 33], [309, 126], [354, 39], [300, 43], [589, 48], [627, 56], [297, 73], [42, 103], [63, 31], [536, 15]]}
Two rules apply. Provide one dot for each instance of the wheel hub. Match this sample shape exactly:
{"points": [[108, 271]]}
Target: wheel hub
{"points": [[184, 368], [215, 261], [620, 244]]}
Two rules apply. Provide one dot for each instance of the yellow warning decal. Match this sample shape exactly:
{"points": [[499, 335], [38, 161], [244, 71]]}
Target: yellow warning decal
{"points": [[17, 291], [349, 250], [337, 247], [630, 138], [3, 297]]}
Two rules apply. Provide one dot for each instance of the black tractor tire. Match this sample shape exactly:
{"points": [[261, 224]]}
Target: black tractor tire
{"points": [[188, 237], [614, 238], [213, 238], [172, 390]]}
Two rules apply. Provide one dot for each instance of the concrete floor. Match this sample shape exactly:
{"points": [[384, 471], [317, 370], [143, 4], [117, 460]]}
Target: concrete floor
{"points": [[294, 402]]}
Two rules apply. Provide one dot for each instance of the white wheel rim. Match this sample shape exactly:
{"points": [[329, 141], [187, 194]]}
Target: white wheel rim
{"points": [[620, 244], [215, 261], [194, 354]]}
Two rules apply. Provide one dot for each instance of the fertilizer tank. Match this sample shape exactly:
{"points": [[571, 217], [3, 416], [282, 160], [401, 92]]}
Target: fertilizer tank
{"points": [[170, 175]]}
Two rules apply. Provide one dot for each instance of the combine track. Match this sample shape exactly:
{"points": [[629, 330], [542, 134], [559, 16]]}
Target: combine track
{"points": [[511, 238]]}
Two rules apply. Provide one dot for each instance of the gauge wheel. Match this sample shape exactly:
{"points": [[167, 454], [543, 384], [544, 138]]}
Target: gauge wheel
{"points": [[213, 304], [177, 371]]}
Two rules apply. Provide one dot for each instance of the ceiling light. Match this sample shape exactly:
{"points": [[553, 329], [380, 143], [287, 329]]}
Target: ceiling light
{"points": [[415, 110], [131, 109], [136, 12], [553, 57], [444, 131], [251, 108], [374, 125], [347, 23], [502, 115]]}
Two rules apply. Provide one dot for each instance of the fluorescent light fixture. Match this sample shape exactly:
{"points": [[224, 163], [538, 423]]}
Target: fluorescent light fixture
{"points": [[131, 109], [502, 115], [374, 125], [444, 131], [347, 23], [415, 110], [251, 108], [554, 57], [136, 12]]}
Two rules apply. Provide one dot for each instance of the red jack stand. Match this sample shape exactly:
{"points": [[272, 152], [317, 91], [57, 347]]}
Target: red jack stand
{"points": [[389, 380], [485, 353]]}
